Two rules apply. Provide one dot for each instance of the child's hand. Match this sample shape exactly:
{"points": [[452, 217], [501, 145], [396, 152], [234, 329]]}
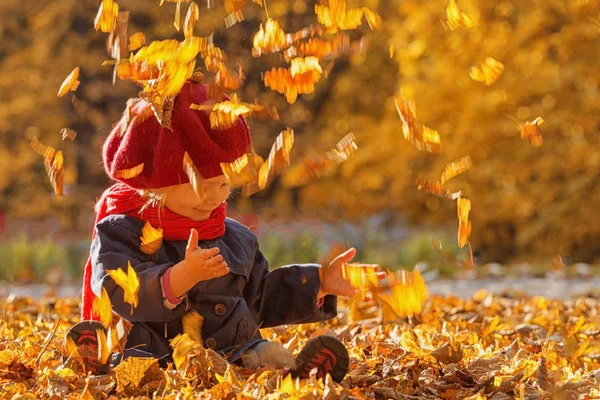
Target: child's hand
{"points": [[332, 276], [203, 264]]}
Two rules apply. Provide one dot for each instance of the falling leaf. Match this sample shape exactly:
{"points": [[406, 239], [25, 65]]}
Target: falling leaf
{"points": [[104, 351], [464, 227], [102, 307], [457, 18], [532, 131], [361, 276], [107, 16], [436, 188], [70, 84], [422, 137], [242, 171], [269, 38], [136, 41], [490, 71], [193, 175], [299, 79], [408, 293], [314, 166], [53, 164], [130, 173], [129, 282], [193, 15], [373, 19], [335, 15], [67, 133], [192, 325], [279, 155], [455, 168], [151, 239]]}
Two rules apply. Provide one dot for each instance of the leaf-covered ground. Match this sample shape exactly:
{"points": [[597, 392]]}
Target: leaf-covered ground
{"points": [[494, 347]]}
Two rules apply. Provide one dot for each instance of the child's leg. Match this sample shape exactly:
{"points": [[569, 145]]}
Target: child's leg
{"points": [[84, 336], [326, 355], [268, 353]]}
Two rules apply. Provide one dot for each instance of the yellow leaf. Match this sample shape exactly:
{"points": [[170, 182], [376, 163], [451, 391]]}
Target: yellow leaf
{"points": [[490, 71], [129, 282], [457, 18], [136, 41], [130, 172], [464, 227], [151, 239], [103, 308], [193, 14], [532, 131], [106, 18], [193, 175], [192, 325], [280, 154], [104, 351]]}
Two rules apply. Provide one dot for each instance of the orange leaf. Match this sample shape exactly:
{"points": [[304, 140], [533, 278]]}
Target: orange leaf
{"points": [[130, 172], [136, 41], [53, 164], [422, 137], [314, 166], [269, 38], [71, 83], [455, 168], [464, 225], [532, 131], [280, 154]]}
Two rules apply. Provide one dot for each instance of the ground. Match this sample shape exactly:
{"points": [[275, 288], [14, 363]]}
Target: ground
{"points": [[485, 346]]}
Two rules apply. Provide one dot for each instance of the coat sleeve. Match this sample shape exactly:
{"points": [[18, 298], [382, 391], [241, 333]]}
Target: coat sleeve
{"points": [[117, 243], [286, 295]]}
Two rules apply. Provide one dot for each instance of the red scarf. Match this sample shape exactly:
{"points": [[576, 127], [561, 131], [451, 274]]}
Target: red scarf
{"points": [[121, 199]]}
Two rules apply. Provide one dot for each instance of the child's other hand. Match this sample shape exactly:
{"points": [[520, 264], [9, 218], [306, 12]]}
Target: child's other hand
{"points": [[332, 276], [203, 264]]}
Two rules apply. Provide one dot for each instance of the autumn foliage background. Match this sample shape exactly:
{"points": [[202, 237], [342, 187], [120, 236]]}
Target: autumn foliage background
{"points": [[529, 203]]}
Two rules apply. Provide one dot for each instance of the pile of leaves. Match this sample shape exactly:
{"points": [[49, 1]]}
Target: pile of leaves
{"points": [[485, 347]]}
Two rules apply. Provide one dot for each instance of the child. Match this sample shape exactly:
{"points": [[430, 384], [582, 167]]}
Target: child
{"points": [[207, 262]]}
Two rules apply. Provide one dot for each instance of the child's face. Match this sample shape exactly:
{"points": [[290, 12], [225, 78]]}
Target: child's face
{"points": [[183, 200]]}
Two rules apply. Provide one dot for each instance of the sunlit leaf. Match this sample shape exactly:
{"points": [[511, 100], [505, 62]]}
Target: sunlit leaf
{"points": [[314, 166], [278, 157], [193, 14], [102, 307], [53, 164], [336, 16], [490, 71], [129, 282], [130, 172], [151, 239], [192, 325], [193, 174], [70, 84], [532, 131], [456, 17], [136, 41], [107, 16], [422, 137], [464, 225]]}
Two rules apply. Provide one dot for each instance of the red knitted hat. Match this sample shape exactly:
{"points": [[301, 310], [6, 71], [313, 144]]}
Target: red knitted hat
{"points": [[161, 150]]}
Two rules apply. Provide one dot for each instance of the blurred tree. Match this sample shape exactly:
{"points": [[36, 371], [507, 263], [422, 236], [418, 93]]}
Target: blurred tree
{"points": [[527, 201]]}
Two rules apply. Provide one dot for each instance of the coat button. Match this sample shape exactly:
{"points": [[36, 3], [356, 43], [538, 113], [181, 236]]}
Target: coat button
{"points": [[211, 343], [220, 309]]}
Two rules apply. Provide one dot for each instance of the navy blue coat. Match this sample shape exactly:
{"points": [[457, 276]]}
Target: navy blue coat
{"points": [[234, 306]]}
